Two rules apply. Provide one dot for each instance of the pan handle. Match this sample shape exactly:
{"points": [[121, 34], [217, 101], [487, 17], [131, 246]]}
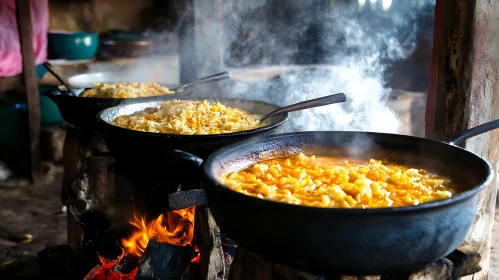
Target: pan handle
{"points": [[472, 132], [181, 162], [50, 95], [46, 93], [186, 159], [188, 191]]}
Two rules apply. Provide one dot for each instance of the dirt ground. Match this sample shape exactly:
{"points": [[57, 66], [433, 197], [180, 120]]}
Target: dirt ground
{"points": [[36, 210], [29, 210]]}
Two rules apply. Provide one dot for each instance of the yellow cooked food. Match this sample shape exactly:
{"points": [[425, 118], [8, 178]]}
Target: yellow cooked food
{"points": [[190, 117], [332, 183], [126, 90]]}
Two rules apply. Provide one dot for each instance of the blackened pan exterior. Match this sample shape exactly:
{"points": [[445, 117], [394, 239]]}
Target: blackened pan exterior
{"points": [[82, 111], [147, 152], [348, 241]]}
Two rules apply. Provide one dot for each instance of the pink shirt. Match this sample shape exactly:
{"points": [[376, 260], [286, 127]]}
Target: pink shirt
{"points": [[10, 48]]}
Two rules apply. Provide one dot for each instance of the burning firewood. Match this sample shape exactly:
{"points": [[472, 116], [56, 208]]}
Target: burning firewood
{"points": [[164, 261]]}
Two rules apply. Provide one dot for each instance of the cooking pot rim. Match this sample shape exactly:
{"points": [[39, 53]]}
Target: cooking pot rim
{"points": [[208, 167], [52, 93], [282, 119]]}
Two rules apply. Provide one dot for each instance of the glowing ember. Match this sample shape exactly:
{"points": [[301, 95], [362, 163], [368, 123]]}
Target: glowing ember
{"points": [[175, 227], [197, 257], [104, 271]]}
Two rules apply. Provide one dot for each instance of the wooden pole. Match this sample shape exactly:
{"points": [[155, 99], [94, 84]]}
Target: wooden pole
{"points": [[468, 95], [433, 79], [208, 15], [201, 41], [23, 13], [186, 40]]}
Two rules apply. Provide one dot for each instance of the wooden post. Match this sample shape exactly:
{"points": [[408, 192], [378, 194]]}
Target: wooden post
{"points": [[433, 79], [201, 42], [186, 42], [86, 177], [209, 40], [468, 95], [24, 25]]}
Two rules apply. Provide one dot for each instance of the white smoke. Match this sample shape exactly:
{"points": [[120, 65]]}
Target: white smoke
{"points": [[356, 53]]}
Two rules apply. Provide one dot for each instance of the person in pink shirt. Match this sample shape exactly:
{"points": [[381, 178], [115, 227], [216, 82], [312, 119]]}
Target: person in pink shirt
{"points": [[10, 48]]}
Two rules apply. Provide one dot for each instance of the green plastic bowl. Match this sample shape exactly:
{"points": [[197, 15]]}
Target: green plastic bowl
{"points": [[79, 45]]}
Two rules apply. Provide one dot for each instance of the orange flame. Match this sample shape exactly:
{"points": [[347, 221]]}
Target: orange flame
{"points": [[174, 227]]}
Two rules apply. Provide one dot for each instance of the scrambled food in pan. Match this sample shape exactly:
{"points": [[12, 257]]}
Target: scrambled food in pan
{"points": [[332, 183], [126, 90], [189, 118]]}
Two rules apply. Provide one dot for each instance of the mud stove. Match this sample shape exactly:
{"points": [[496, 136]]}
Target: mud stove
{"points": [[123, 225]]}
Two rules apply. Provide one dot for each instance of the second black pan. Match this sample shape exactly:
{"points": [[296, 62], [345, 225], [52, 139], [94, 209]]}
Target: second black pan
{"points": [[82, 111], [335, 241]]}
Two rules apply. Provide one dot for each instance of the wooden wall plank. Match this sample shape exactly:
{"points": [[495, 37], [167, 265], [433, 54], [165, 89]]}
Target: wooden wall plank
{"points": [[433, 79], [468, 95]]}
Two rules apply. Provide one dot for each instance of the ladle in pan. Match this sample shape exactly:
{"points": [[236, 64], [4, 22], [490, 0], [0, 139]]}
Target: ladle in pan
{"points": [[213, 78], [318, 102], [49, 68]]}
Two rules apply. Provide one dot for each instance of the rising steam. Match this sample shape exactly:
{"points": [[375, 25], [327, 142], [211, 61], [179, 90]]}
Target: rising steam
{"points": [[356, 54]]}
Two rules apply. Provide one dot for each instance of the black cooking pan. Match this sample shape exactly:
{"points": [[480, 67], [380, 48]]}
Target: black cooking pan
{"points": [[81, 111], [348, 241], [146, 152]]}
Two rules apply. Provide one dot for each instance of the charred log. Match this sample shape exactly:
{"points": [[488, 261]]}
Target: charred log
{"points": [[98, 237], [106, 271], [94, 224], [110, 246], [164, 261], [127, 264]]}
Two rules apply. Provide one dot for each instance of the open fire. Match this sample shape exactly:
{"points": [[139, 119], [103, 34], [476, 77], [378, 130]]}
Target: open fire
{"points": [[172, 227]]}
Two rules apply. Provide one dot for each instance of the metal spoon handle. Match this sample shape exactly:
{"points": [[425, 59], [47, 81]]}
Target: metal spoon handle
{"points": [[49, 68], [216, 77], [318, 102]]}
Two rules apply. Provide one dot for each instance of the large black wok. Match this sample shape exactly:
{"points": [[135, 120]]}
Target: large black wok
{"points": [[81, 111], [348, 241], [146, 153]]}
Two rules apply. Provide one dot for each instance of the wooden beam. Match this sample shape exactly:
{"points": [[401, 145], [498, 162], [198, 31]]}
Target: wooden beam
{"points": [[23, 13], [209, 40], [433, 79], [186, 40], [468, 95], [201, 40]]}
